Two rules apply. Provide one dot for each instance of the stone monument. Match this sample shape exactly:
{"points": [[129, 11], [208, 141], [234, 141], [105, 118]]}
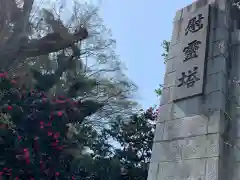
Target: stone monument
{"points": [[198, 130]]}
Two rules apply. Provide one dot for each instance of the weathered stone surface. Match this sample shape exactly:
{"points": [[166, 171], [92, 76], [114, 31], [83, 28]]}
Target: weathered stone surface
{"points": [[188, 142], [167, 151], [219, 48], [236, 150], [171, 65], [165, 112], [174, 51], [167, 95], [236, 110], [234, 103], [212, 169], [169, 80], [236, 172], [216, 82], [216, 64], [220, 34], [221, 19], [188, 148], [185, 127], [221, 4], [238, 34], [217, 39], [159, 132], [200, 146], [216, 122], [153, 171], [194, 7], [175, 39], [235, 36], [178, 15], [182, 170], [218, 16], [187, 107], [238, 128], [215, 101]]}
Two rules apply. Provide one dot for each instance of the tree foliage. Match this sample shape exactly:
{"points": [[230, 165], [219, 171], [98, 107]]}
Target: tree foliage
{"points": [[76, 47], [64, 77], [39, 133], [158, 91], [45, 137], [165, 45], [127, 157], [135, 138]]}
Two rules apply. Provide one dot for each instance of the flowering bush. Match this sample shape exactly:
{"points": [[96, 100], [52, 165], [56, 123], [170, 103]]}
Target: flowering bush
{"points": [[34, 132]]}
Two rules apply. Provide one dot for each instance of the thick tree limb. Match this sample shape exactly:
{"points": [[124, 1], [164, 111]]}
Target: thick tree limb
{"points": [[21, 27], [18, 47], [50, 43]]}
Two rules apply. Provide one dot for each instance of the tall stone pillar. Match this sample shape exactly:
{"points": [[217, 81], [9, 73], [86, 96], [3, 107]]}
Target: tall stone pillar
{"points": [[192, 127], [234, 100]]}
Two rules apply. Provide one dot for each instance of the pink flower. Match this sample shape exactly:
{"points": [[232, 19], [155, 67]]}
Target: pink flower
{"points": [[56, 135], [43, 94], [36, 138], [49, 124], [9, 107], [27, 161], [3, 74], [60, 101], [41, 124], [50, 133], [59, 113], [54, 144], [44, 99], [60, 148]]}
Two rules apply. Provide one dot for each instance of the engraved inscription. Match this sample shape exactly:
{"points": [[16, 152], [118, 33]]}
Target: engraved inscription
{"points": [[189, 79], [191, 51], [190, 71], [194, 24]]}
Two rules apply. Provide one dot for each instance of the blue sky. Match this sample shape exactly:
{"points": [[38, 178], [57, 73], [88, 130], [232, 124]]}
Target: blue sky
{"points": [[139, 28]]}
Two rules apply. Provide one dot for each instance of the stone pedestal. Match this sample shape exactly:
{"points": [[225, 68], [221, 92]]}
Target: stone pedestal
{"points": [[194, 120]]}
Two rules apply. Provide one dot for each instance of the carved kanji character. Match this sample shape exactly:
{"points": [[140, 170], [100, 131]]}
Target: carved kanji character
{"points": [[194, 24], [191, 50], [189, 79]]}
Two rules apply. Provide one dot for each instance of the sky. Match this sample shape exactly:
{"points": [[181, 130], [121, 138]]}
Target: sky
{"points": [[139, 27]]}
